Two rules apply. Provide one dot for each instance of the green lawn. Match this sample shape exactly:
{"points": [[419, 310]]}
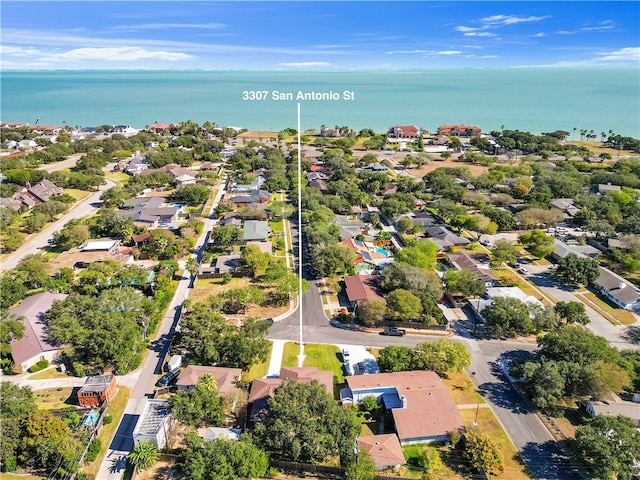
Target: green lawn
{"points": [[51, 372], [323, 357], [259, 370], [55, 398], [276, 226]]}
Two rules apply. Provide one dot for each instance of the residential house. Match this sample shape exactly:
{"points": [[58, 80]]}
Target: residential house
{"points": [[362, 287], [259, 196], [317, 176], [329, 132], [31, 196], [214, 433], [226, 378], [137, 165], [321, 185], [96, 390], [148, 212], [97, 250], [160, 128], [9, 144], [440, 140], [617, 289], [185, 179], [477, 305], [368, 256], [264, 246], [27, 144], [478, 263], [385, 450], [613, 409], [424, 218], [459, 130], [256, 230], [602, 188], [583, 251], [153, 424], [264, 388], [125, 129], [228, 263], [568, 207], [410, 132], [35, 344], [420, 404], [254, 186], [443, 237]]}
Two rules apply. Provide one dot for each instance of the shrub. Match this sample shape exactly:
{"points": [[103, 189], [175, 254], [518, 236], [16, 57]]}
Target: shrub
{"points": [[107, 419], [39, 365], [94, 450]]}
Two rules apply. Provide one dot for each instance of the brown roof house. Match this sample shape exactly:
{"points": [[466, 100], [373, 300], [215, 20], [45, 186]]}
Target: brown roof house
{"points": [[422, 408], [96, 390], [225, 377], [264, 388], [35, 344], [385, 450], [362, 287]]}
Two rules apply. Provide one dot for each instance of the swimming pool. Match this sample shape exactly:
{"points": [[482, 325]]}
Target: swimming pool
{"points": [[382, 251]]}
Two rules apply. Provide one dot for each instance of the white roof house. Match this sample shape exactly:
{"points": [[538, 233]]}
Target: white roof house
{"points": [[153, 424], [509, 292]]}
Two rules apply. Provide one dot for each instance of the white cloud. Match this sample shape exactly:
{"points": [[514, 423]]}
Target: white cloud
{"points": [[538, 35], [627, 54], [446, 52], [604, 25], [305, 64], [393, 52], [501, 20], [463, 29], [119, 54], [170, 26], [20, 51], [480, 34]]}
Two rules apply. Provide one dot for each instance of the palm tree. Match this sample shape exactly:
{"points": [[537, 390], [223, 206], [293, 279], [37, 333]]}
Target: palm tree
{"points": [[144, 455], [192, 266], [574, 133], [592, 135]]}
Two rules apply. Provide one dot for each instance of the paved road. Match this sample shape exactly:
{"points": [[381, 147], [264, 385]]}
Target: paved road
{"points": [[68, 163], [38, 242]]}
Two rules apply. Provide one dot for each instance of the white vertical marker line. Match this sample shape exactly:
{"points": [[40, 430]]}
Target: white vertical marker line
{"points": [[301, 354]]}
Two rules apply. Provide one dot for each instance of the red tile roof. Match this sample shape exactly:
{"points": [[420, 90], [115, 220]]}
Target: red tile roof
{"points": [[361, 287]]}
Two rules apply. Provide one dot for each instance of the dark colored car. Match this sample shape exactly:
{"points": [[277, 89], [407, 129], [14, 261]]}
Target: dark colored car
{"points": [[168, 378], [393, 332]]}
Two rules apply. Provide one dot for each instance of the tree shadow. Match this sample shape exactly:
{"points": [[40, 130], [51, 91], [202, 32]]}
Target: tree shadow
{"points": [[632, 334], [549, 460]]}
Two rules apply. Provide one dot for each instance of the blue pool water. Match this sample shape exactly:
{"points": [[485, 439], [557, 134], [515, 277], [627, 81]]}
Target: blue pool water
{"points": [[382, 251]]}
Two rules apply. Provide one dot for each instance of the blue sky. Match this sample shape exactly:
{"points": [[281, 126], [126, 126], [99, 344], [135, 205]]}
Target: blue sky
{"points": [[316, 35]]}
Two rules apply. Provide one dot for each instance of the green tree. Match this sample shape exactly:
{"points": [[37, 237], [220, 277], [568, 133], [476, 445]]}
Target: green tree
{"points": [[192, 266], [482, 453], [464, 282], [194, 194], [226, 235], [415, 279], [306, 424], [202, 405], [395, 358], [222, 459], [545, 383], [572, 312], [508, 316], [371, 311], [144, 455], [73, 234], [255, 259], [422, 254], [16, 404], [11, 328], [404, 225], [610, 446], [578, 270], [334, 259], [442, 356], [504, 252], [361, 468], [576, 344], [404, 305], [538, 243]]}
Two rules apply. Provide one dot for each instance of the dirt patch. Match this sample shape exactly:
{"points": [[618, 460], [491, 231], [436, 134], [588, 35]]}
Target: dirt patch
{"points": [[257, 135]]}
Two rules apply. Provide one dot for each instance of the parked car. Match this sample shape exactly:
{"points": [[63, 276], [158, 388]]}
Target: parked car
{"points": [[523, 271], [393, 332], [168, 378], [345, 355]]}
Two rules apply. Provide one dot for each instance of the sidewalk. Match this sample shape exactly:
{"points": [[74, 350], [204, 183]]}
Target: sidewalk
{"points": [[276, 358]]}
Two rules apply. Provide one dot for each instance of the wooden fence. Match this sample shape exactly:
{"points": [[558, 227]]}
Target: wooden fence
{"points": [[328, 470]]}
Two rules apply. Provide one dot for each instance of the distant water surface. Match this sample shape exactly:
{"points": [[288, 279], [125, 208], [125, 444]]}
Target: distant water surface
{"points": [[529, 99]]}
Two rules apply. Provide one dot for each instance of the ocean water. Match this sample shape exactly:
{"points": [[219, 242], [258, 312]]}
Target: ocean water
{"points": [[528, 99]]}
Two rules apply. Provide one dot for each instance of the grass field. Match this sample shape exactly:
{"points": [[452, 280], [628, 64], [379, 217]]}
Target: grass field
{"points": [[116, 410], [461, 389], [514, 469], [14, 476], [51, 372], [323, 357], [415, 453], [259, 370], [55, 398], [77, 194]]}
